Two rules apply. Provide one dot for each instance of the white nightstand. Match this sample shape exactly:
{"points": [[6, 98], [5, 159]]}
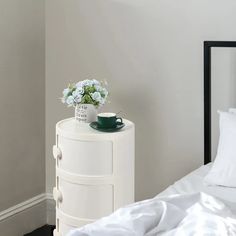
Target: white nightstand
{"points": [[94, 173]]}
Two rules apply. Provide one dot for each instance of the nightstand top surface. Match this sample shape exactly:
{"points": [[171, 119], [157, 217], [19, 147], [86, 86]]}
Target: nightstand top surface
{"points": [[72, 128]]}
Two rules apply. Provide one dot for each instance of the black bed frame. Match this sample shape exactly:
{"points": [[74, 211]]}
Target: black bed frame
{"points": [[207, 93]]}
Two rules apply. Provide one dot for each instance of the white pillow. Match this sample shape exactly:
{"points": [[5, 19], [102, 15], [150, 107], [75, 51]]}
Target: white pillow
{"points": [[223, 171], [232, 110]]}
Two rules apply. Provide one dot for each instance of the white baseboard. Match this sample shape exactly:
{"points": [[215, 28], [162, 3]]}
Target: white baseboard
{"points": [[22, 206], [28, 215]]}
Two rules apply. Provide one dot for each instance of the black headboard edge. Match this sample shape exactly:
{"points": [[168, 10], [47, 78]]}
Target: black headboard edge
{"points": [[207, 93]]}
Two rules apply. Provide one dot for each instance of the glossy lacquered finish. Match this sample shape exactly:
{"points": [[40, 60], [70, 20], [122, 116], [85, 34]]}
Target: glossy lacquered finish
{"points": [[94, 173]]}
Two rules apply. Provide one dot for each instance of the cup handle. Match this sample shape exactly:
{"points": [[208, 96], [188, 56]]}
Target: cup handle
{"points": [[119, 118]]}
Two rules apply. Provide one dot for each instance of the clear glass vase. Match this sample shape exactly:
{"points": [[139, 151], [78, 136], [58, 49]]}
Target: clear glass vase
{"points": [[85, 113]]}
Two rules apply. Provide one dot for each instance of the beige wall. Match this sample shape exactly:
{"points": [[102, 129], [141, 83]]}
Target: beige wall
{"points": [[22, 120], [151, 54]]}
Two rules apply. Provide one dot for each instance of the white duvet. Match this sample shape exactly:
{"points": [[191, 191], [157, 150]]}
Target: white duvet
{"points": [[195, 214]]}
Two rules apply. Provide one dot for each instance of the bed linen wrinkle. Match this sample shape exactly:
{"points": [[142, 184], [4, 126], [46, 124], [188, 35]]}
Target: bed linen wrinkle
{"points": [[189, 207]]}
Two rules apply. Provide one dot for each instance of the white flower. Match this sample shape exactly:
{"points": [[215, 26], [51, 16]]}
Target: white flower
{"points": [[102, 102], [104, 92], [96, 96], [98, 88], [78, 99], [79, 84], [70, 100], [95, 82], [75, 93], [78, 91], [65, 92], [87, 82]]}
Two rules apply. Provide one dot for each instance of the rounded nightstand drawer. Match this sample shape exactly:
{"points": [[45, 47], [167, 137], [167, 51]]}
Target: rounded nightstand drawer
{"points": [[85, 158], [68, 223], [65, 229], [85, 201]]}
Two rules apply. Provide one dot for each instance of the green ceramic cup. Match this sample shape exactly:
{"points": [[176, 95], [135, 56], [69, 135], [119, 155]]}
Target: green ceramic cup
{"points": [[108, 120]]}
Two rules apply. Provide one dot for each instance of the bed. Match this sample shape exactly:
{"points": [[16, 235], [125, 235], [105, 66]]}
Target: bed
{"points": [[190, 206], [194, 183]]}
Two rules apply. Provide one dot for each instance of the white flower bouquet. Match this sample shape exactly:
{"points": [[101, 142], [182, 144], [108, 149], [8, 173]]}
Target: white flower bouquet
{"points": [[85, 92]]}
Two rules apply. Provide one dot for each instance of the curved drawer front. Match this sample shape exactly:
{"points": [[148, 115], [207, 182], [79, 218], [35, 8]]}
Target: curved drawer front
{"points": [[67, 223], [85, 158], [65, 229], [86, 201]]}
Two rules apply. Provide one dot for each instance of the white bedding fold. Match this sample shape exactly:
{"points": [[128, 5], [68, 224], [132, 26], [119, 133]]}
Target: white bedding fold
{"points": [[190, 214]]}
